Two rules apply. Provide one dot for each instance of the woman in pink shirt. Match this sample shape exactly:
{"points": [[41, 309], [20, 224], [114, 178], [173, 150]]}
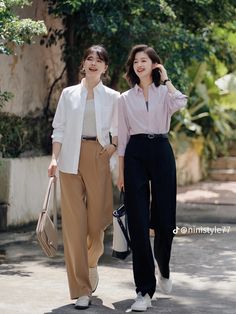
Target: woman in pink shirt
{"points": [[146, 162]]}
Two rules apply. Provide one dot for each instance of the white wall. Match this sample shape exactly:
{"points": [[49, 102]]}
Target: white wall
{"points": [[27, 184], [24, 183]]}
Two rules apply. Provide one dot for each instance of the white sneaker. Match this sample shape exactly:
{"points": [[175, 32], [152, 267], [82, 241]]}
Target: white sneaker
{"points": [[93, 278], [142, 303], [83, 302], [165, 284]]}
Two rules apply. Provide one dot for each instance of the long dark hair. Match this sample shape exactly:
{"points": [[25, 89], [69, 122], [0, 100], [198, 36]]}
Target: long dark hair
{"points": [[131, 76], [101, 53]]}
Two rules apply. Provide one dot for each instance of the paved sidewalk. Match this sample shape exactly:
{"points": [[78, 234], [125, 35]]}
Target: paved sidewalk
{"points": [[208, 201], [203, 264], [203, 271]]}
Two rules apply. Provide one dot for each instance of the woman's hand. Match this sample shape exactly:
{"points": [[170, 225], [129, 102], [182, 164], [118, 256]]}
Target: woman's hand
{"points": [[110, 149], [52, 168], [120, 182], [163, 72]]}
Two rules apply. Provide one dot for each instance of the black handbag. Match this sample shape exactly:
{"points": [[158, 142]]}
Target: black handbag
{"points": [[121, 239]]}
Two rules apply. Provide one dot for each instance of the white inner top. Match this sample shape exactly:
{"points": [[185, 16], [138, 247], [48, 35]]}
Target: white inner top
{"points": [[89, 124]]}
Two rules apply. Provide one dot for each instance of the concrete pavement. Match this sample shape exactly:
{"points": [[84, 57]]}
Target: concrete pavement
{"points": [[208, 201], [203, 271], [203, 264]]}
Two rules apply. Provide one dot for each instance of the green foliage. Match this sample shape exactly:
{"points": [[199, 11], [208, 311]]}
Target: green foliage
{"points": [[208, 113], [181, 31], [14, 30], [195, 39], [4, 97], [27, 136]]}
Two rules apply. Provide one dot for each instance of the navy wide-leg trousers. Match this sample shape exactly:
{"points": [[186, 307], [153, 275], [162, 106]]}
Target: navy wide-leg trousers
{"points": [[150, 164]]}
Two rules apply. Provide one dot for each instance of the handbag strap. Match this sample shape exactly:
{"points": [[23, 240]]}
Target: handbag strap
{"points": [[122, 196], [52, 181], [55, 201], [124, 230]]}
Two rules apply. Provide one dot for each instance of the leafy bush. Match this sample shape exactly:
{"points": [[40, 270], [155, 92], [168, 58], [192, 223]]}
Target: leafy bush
{"points": [[208, 112], [24, 136]]}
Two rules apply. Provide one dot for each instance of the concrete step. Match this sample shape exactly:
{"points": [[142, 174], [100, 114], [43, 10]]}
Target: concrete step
{"points": [[224, 163], [205, 213], [223, 174]]}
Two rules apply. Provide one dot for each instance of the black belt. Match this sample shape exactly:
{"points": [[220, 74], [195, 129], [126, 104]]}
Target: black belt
{"points": [[89, 138], [150, 136]]}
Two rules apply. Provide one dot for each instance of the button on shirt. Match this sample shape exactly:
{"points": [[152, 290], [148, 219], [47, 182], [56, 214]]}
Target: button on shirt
{"points": [[134, 118]]}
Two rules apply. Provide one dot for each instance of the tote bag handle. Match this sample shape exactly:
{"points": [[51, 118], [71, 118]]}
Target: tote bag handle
{"points": [[52, 181]]}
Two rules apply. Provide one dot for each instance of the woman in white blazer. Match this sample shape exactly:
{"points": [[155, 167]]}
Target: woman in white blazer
{"points": [[82, 148]]}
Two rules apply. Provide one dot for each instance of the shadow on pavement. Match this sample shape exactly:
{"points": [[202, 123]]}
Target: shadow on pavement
{"points": [[161, 305], [202, 265]]}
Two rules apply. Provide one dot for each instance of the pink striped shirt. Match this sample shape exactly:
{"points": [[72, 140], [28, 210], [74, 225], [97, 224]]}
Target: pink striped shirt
{"points": [[134, 118]]}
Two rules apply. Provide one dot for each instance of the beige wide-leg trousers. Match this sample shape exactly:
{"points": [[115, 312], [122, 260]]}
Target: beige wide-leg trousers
{"points": [[86, 207]]}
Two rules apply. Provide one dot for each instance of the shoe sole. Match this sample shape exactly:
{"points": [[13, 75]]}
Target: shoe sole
{"points": [[141, 310], [144, 310], [81, 307]]}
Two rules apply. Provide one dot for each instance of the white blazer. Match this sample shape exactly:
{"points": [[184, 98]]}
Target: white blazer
{"points": [[69, 116]]}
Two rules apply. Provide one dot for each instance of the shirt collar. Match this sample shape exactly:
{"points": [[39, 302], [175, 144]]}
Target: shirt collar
{"points": [[138, 89], [98, 87]]}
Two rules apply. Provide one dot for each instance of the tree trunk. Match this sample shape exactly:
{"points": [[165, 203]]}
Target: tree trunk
{"points": [[115, 78], [72, 67]]}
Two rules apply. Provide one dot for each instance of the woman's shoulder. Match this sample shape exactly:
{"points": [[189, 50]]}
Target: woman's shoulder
{"points": [[128, 92]]}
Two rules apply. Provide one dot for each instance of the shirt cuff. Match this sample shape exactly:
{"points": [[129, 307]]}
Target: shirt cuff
{"points": [[121, 151], [176, 94], [57, 139]]}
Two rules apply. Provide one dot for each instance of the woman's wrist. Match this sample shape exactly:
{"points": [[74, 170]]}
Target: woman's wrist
{"points": [[115, 145], [165, 81]]}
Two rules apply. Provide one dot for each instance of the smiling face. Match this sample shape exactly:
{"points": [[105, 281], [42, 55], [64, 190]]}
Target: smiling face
{"points": [[94, 66], [142, 65]]}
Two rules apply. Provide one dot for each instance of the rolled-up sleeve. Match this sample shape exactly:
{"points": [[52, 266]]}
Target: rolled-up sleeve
{"points": [[175, 101], [59, 121], [123, 127], [114, 123]]}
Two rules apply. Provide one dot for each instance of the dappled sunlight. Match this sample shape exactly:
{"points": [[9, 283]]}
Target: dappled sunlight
{"points": [[194, 195], [202, 268], [208, 192]]}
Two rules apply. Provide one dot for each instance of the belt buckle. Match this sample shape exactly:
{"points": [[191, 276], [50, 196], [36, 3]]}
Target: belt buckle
{"points": [[151, 136]]}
